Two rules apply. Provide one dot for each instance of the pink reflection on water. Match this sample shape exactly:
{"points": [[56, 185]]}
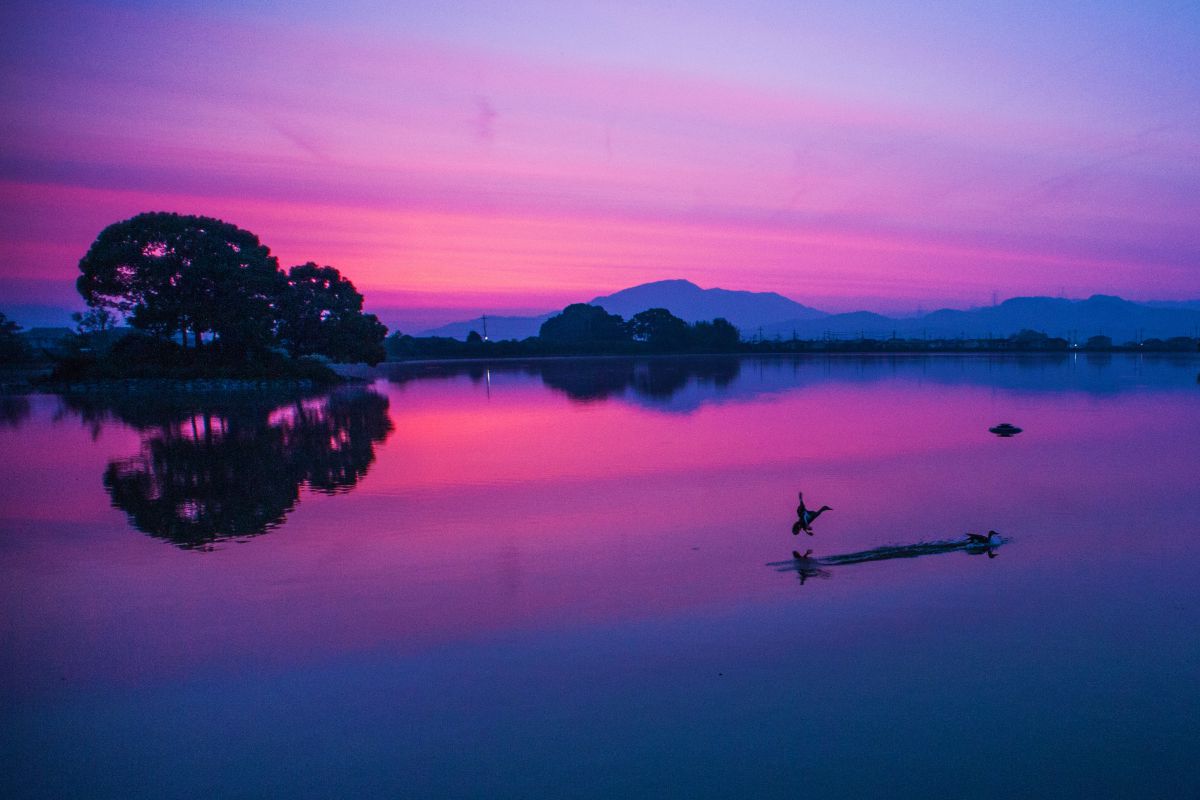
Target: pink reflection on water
{"points": [[499, 507]]}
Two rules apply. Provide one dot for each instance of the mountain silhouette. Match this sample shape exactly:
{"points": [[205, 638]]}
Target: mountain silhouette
{"points": [[684, 299], [1098, 315], [772, 315], [690, 303]]}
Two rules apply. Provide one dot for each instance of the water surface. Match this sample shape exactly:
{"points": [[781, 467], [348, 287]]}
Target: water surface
{"points": [[564, 579]]}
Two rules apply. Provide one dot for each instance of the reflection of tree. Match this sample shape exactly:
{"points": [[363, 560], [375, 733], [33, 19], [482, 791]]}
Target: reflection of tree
{"points": [[654, 379], [587, 380], [210, 474], [14, 409]]}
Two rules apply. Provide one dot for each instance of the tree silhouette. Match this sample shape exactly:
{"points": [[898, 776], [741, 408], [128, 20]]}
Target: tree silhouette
{"points": [[715, 337], [184, 275], [321, 312], [581, 323], [660, 329], [12, 346]]}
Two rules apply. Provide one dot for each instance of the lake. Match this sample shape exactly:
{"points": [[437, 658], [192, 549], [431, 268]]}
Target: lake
{"points": [[575, 579]]}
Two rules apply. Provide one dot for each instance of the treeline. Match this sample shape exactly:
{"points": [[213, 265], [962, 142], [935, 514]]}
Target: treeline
{"points": [[582, 329], [589, 330], [207, 299]]}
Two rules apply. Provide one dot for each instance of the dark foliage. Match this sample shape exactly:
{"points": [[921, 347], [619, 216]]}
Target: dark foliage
{"points": [[12, 347], [139, 356], [580, 330], [320, 312], [185, 276], [581, 323], [660, 329]]}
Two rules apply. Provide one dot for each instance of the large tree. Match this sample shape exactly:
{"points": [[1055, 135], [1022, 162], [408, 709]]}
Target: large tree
{"points": [[180, 275], [320, 312]]}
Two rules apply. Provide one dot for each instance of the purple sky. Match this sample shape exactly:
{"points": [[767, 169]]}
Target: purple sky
{"points": [[462, 158]]}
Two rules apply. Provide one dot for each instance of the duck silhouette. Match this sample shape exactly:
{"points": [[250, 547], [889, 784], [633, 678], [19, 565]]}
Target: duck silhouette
{"points": [[805, 517], [979, 538]]}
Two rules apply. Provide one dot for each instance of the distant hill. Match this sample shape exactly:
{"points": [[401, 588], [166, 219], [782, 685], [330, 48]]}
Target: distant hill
{"points": [[1173, 304], [689, 302], [774, 315], [1122, 320], [684, 299], [498, 328]]}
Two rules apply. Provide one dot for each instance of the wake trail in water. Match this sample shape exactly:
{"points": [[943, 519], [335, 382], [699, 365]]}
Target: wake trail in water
{"points": [[890, 551]]}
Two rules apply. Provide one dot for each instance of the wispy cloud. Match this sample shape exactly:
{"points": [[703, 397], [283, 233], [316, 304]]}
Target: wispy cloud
{"points": [[441, 161]]}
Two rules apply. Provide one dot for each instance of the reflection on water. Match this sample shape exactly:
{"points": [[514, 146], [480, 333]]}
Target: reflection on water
{"points": [[14, 409], [542, 592], [807, 566], [654, 381], [685, 384], [223, 469]]}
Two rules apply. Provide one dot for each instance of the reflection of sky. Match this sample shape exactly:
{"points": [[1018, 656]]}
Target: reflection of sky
{"points": [[525, 590], [543, 510], [520, 155]]}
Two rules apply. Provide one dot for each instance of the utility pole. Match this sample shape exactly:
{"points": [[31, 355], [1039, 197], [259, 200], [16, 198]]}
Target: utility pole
{"points": [[484, 318]]}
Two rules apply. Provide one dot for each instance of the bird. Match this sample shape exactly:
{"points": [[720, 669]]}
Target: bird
{"points": [[804, 517], [979, 538]]}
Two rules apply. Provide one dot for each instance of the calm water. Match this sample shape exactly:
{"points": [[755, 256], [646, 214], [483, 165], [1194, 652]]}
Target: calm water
{"points": [[557, 580]]}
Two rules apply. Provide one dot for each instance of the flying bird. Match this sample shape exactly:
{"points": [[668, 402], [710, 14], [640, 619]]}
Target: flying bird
{"points": [[805, 517]]}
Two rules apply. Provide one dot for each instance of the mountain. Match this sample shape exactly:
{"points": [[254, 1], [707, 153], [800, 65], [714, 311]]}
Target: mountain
{"points": [[773, 315], [1119, 319], [1195, 304], [689, 302], [498, 328], [684, 299]]}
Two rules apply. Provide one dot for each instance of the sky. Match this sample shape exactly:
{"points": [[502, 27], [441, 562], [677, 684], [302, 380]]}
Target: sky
{"points": [[454, 158]]}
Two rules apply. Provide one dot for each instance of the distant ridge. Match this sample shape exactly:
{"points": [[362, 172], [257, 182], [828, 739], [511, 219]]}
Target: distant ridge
{"points": [[498, 328], [1099, 315], [689, 302], [684, 299], [772, 315]]}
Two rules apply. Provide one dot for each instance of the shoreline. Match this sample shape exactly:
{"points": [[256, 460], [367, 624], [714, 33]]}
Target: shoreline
{"points": [[357, 370]]}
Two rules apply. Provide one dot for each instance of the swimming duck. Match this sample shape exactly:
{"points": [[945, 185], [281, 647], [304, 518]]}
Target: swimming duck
{"points": [[979, 538], [1004, 430]]}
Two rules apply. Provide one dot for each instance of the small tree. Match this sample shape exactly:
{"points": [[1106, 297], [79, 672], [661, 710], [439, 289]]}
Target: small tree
{"points": [[94, 320], [320, 312], [12, 346]]}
